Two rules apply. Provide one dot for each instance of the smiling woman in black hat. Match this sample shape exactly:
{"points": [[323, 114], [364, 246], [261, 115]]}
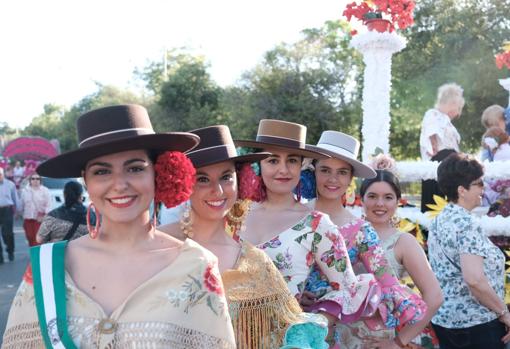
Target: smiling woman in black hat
{"points": [[299, 239], [126, 284], [261, 315]]}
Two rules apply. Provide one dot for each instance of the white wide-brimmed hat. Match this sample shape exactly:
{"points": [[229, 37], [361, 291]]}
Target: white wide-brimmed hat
{"points": [[344, 147]]}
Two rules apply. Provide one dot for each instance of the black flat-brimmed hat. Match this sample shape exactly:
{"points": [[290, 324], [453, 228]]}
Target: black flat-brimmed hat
{"points": [[344, 147], [216, 145], [112, 130], [282, 134]]}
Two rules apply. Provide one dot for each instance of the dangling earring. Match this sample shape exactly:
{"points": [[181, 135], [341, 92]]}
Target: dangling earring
{"points": [[298, 192], [394, 221], [236, 216], [187, 221], [155, 215], [93, 232]]}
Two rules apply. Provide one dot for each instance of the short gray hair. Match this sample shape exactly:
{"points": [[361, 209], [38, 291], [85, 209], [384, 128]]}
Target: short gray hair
{"points": [[448, 93]]}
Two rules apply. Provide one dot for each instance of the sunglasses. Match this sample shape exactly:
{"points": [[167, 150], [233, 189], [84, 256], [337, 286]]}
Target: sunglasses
{"points": [[35, 178], [478, 183]]}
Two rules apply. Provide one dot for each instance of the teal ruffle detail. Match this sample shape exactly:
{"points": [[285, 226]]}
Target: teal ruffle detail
{"points": [[310, 334]]}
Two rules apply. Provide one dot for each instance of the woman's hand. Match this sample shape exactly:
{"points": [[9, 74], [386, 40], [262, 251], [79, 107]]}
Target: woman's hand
{"points": [[505, 319], [379, 343]]}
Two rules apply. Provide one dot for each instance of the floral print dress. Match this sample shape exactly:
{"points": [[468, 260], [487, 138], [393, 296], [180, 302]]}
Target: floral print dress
{"points": [[399, 304], [315, 248], [454, 232]]}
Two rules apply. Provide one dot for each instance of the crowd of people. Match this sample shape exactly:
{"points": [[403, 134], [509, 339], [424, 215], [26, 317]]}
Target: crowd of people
{"points": [[265, 254]]}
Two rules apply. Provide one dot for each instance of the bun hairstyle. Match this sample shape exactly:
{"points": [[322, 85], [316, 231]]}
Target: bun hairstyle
{"points": [[382, 176], [72, 193]]}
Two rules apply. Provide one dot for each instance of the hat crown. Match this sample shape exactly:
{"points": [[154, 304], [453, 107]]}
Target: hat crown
{"points": [[112, 123], [340, 140], [282, 129], [213, 136]]}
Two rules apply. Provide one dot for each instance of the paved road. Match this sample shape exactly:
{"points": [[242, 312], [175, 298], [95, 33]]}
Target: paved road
{"points": [[11, 274]]}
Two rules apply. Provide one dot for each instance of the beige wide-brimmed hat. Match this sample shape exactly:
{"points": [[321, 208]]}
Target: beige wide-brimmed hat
{"points": [[282, 134], [344, 147]]}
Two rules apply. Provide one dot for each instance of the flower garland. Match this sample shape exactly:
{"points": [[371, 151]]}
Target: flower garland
{"points": [[175, 178], [399, 12]]}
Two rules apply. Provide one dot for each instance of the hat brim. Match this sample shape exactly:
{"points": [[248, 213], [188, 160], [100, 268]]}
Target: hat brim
{"points": [[360, 170], [294, 150], [255, 157], [72, 163]]}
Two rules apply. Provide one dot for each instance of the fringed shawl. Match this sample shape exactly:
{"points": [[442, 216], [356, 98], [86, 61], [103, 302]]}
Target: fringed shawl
{"points": [[260, 304]]}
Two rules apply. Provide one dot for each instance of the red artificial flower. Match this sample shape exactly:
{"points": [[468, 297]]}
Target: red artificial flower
{"points": [[334, 285], [398, 12], [212, 279], [175, 178], [251, 186], [354, 32]]}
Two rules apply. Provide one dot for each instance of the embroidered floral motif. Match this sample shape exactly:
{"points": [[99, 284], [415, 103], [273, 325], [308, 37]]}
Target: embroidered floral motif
{"points": [[212, 280], [283, 260], [274, 243]]}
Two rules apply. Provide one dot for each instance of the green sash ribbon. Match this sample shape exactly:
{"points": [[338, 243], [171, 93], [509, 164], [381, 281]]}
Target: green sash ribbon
{"points": [[48, 273]]}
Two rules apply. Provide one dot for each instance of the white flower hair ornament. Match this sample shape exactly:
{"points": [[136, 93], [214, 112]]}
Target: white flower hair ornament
{"points": [[384, 162]]}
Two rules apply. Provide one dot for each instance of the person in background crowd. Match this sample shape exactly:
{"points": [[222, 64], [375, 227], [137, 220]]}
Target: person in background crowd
{"points": [[67, 222], [17, 173], [9, 205], [36, 201], [469, 267], [437, 130], [380, 197], [126, 284], [495, 140], [429, 187], [493, 116]]}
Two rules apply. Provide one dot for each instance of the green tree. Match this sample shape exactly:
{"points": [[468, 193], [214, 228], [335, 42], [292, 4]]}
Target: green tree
{"points": [[47, 124], [105, 95], [187, 98], [309, 82]]}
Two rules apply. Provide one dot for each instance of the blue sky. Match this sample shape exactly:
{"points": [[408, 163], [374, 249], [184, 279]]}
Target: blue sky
{"points": [[53, 51]]}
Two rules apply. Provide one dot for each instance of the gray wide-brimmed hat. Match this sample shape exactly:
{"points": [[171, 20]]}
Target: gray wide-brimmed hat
{"points": [[112, 130], [282, 134], [344, 147], [216, 145]]}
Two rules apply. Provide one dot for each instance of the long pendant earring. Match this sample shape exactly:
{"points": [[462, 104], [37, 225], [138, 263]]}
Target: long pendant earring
{"points": [[187, 221], [93, 232], [155, 215]]}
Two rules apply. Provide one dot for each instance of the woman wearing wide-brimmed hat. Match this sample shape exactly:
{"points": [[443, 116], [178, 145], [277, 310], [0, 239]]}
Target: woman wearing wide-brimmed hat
{"points": [[261, 307], [327, 181], [126, 284], [299, 239]]}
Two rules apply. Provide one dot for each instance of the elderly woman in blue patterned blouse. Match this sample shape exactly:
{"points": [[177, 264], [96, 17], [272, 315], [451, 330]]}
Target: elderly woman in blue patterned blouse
{"points": [[470, 269]]}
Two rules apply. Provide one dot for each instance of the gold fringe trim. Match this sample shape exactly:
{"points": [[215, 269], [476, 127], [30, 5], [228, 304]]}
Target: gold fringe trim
{"points": [[259, 323]]}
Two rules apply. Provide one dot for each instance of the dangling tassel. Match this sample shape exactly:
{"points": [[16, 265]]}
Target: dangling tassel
{"points": [[93, 232]]}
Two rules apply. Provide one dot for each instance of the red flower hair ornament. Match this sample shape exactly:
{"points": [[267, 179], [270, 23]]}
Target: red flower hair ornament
{"points": [[175, 178]]}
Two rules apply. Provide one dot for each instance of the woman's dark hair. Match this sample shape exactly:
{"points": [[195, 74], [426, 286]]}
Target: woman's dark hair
{"points": [[456, 170], [72, 193], [382, 176]]}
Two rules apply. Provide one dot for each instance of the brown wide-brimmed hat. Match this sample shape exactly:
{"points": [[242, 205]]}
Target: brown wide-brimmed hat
{"points": [[216, 145], [112, 130], [282, 134], [344, 147]]}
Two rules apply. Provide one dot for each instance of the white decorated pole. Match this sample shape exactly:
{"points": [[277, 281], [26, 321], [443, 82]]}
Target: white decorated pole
{"points": [[506, 85], [377, 49]]}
